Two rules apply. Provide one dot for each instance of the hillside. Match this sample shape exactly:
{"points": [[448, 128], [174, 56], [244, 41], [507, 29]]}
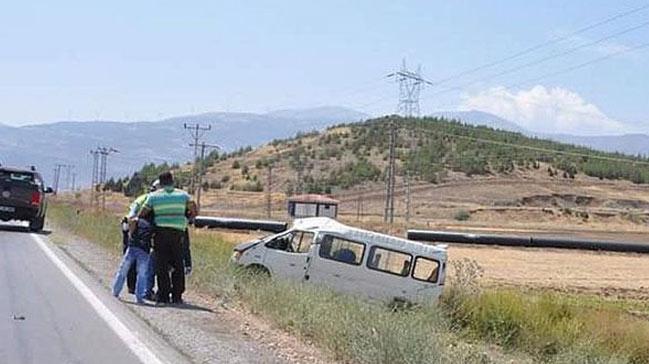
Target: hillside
{"points": [[429, 150]]}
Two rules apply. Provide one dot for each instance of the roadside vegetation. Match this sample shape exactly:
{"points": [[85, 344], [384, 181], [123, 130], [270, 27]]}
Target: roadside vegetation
{"points": [[470, 325]]}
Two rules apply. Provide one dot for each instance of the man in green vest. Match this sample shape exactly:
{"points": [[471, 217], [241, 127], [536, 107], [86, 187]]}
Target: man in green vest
{"points": [[171, 207]]}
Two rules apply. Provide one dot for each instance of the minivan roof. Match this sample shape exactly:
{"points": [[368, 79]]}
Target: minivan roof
{"points": [[328, 225]]}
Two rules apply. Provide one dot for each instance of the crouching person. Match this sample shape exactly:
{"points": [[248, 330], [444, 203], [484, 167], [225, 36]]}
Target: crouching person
{"points": [[137, 253]]}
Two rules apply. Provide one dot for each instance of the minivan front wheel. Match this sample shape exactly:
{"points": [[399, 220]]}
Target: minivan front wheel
{"points": [[37, 223], [257, 270]]}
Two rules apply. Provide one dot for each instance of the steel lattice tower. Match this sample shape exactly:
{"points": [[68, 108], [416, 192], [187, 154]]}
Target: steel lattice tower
{"points": [[410, 85]]}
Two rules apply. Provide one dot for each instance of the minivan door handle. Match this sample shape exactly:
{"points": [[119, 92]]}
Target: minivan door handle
{"points": [[336, 275], [291, 264]]}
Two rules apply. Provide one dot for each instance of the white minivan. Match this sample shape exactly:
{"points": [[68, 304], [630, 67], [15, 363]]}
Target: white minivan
{"points": [[359, 262]]}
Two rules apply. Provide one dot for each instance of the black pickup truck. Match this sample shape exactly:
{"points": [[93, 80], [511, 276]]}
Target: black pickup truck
{"points": [[22, 196]]}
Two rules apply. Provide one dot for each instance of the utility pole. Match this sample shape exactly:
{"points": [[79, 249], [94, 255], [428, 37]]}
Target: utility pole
{"points": [[54, 178], [414, 162], [269, 195], [200, 170], [74, 180], [99, 170], [196, 131], [57, 177], [388, 215], [68, 171], [408, 196], [95, 176], [359, 204], [299, 178]]}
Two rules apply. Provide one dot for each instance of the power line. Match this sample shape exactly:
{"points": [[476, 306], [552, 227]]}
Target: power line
{"points": [[541, 45], [545, 59], [582, 65], [538, 149]]}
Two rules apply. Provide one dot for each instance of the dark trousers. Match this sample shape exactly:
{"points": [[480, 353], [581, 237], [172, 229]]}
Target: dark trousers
{"points": [[168, 255], [132, 272]]}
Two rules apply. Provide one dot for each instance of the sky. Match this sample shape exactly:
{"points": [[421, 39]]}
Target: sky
{"points": [[147, 60]]}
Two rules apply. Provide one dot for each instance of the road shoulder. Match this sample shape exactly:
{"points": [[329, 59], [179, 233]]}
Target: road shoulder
{"points": [[203, 330]]}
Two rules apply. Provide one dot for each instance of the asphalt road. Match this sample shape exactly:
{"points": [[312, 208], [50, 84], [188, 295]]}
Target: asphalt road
{"points": [[48, 315]]}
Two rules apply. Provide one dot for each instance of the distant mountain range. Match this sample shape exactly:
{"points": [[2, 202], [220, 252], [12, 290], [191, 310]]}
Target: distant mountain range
{"points": [[633, 144], [70, 142]]}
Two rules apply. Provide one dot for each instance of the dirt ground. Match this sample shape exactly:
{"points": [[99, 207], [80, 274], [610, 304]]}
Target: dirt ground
{"points": [[613, 275]]}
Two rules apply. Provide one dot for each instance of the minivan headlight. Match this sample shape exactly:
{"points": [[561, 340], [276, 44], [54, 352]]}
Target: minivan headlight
{"points": [[235, 256]]}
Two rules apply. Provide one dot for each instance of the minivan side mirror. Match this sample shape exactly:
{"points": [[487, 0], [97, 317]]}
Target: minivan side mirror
{"points": [[49, 190]]}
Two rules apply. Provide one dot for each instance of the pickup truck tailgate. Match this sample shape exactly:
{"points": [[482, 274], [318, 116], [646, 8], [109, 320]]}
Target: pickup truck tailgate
{"points": [[16, 194]]}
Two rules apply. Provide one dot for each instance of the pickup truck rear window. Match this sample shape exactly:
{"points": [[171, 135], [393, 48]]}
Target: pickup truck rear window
{"points": [[17, 176]]}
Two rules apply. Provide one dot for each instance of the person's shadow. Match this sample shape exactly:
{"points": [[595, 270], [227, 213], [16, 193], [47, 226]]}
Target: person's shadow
{"points": [[181, 306]]}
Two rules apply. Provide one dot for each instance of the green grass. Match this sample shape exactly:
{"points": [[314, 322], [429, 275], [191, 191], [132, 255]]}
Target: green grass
{"points": [[548, 327]]}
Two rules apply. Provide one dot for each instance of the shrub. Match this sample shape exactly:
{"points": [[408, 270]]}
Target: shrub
{"points": [[462, 215], [252, 186]]}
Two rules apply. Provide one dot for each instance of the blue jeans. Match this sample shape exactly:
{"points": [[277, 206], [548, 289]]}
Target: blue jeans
{"points": [[150, 276], [141, 259]]}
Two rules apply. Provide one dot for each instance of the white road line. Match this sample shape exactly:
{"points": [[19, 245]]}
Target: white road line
{"points": [[136, 345]]}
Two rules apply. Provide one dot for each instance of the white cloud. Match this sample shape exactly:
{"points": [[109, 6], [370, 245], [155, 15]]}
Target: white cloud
{"points": [[548, 110]]}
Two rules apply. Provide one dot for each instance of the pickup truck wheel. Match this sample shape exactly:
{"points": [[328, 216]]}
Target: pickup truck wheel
{"points": [[37, 224]]}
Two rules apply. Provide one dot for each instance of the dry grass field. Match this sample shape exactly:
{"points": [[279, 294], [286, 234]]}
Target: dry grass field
{"points": [[528, 205]]}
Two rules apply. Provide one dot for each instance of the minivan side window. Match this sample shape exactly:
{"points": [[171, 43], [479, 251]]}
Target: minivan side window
{"points": [[341, 250], [389, 261], [302, 242], [282, 242], [293, 242], [426, 270]]}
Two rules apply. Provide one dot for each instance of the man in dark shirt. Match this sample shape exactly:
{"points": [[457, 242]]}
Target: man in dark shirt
{"points": [[137, 253]]}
